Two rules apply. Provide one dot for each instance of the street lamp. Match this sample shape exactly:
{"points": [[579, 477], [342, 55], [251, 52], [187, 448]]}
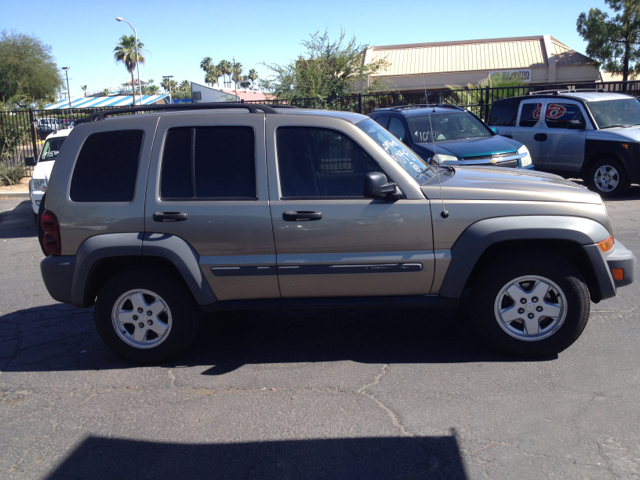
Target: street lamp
{"points": [[168, 77], [66, 71], [133, 87]]}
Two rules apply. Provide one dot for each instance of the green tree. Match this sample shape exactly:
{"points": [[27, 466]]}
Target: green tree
{"points": [[509, 85], [236, 71], [327, 69], [125, 52], [105, 92], [614, 42], [207, 64], [84, 89], [225, 69], [252, 76], [28, 72]]}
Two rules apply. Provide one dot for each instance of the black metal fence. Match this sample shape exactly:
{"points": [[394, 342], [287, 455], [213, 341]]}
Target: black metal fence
{"points": [[22, 132]]}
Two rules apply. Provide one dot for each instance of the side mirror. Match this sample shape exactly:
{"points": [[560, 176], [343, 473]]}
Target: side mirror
{"points": [[576, 125], [30, 161], [495, 130], [376, 186]]}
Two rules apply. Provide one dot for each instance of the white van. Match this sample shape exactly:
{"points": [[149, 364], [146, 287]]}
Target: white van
{"points": [[42, 169]]}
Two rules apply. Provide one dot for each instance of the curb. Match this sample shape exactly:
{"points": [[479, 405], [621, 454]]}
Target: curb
{"points": [[6, 195]]}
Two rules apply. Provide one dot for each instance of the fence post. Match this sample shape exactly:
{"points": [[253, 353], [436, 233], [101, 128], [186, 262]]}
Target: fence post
{"points": [[359, 103], [486, 104], [34, 141]]}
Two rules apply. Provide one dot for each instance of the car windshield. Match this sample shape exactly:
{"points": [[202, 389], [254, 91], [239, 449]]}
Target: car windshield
{"points": [[616, 113], [412, 163], [51, 148], [446, 126]]}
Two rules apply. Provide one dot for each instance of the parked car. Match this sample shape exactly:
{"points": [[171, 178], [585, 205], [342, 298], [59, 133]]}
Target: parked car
{"points": [[42, 168], [451, 135], [46, 126], [161, 216], [587, 134]]}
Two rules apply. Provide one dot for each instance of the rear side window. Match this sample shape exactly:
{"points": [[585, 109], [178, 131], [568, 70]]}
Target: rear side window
{"points": [[107, 167], [558, 114], [530, 114], [396, 128], [503, 114], [209, 163]]}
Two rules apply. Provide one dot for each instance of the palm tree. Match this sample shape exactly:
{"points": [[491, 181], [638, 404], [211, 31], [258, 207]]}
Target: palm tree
{"points": [[84, 89], [225, 68], [153, 89], [237, 74], [125, 52], [105, 92], [206, 64], [253, 76], [185, 85], [244, 83], [165, 84]]}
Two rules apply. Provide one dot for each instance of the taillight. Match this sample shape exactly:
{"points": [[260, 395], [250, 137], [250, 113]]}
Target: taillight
{"points": [[51, 229]]}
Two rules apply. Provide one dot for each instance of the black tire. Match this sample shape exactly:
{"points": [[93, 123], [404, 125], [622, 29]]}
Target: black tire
{"points": [[526, 270], [39, 225], [181, 315], [605, 170]]}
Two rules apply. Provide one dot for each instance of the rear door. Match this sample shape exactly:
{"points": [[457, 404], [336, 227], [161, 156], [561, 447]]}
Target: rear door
{"points": [[528, 125], [563, 149], [331, 241], [208, 186]]}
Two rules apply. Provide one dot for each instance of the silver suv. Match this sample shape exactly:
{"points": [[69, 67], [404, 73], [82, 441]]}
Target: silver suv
{"points": [[159, 217]]}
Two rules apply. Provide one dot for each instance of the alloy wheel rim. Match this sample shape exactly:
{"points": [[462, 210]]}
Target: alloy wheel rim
{"points": [[141, 318], [530, 308], [606, 178]]}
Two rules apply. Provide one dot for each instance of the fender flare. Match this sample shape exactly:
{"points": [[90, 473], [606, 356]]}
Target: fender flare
{"points": [[475, 240]]}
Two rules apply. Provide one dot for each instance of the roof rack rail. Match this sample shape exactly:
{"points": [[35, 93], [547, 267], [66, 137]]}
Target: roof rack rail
{"points": [[420, 105], [181, 106], [566, 90]]}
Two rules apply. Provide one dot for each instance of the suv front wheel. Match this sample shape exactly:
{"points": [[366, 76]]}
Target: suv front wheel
{"points": [[145, 316], [530, 304]]}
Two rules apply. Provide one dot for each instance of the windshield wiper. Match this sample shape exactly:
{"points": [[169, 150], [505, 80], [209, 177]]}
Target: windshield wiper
{"points": [[624, 125]]}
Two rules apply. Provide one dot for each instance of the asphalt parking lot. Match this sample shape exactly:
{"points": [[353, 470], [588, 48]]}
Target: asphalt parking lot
{"points": [[336, 394]]}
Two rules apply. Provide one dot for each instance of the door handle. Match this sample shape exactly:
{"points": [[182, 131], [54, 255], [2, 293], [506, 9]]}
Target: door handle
{"points": [[301, 216], [170, 216], [541, 137]]}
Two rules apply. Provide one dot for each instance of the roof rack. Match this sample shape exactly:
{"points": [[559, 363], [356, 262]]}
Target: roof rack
{"points": [[568, 90], [426, 105], [253, 108]]}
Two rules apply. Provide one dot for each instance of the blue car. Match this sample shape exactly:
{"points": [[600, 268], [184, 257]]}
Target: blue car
{"points": [[451, 135]]}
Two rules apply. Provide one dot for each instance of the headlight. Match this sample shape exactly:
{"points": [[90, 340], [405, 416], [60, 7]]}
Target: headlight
{"points": [[38, 184], [445, 158], [526, 160]]}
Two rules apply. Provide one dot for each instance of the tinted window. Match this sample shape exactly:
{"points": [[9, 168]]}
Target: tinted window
{"points": [[107, 166], [209, 162], [383, 120], [558, 114], [503, 114], [530, 114], [396, 128], [51, 148], [318, 162]]}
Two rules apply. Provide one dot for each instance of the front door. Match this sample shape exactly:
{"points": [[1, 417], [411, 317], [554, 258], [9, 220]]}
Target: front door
{"points": [[208, 186], [330, 240], [563, 149]]}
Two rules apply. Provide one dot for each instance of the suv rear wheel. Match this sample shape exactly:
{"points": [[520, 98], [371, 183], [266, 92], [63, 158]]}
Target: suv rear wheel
{"points": [[530, 304], [608, 177], [145, 316]]}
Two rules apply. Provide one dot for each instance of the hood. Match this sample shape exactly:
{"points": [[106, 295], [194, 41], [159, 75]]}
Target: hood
{"points": [[43, 169], [475, 147], [511, 184], [616, 134]]}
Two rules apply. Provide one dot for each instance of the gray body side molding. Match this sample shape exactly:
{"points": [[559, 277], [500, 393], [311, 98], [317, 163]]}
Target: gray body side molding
{"points": [[184, 258], [472, 243]]}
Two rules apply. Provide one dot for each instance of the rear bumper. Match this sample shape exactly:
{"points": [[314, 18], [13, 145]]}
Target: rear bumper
{"points": [[57, 273]]}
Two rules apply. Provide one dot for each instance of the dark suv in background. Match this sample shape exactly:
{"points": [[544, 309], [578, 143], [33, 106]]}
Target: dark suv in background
{"points": [[593, 135], [451, 135]]}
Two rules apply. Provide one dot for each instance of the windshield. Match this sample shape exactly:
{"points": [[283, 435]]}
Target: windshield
{"points": [[51, 148], [616, 113], [446, 126], [413, 165]]}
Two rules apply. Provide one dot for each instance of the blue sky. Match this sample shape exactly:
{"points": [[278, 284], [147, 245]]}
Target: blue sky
{"points": [[178, 35]]}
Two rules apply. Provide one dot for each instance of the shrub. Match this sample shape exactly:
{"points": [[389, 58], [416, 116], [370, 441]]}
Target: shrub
{"points": [[11, 174]]}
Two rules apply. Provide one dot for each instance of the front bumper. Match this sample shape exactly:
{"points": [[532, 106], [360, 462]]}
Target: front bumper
{"points": [[35, 196], [622, 258], [603, 264]]}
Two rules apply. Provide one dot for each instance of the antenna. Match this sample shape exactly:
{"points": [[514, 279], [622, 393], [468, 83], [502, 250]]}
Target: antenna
{"points": [[443, 213]]}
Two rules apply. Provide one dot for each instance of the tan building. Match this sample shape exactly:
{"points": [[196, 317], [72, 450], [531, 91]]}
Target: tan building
{"points": [[540, 60]]}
